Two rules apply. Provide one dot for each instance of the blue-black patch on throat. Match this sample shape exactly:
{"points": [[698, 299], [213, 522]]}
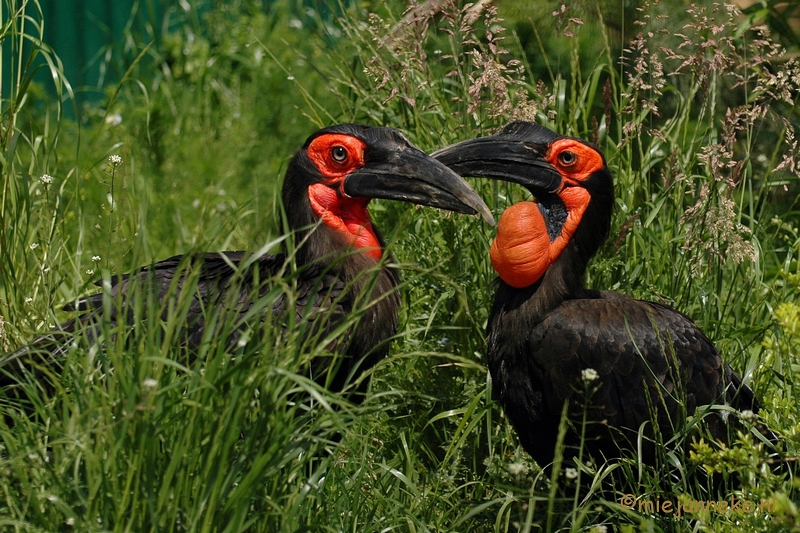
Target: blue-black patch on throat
{"points": [[555, 214]]}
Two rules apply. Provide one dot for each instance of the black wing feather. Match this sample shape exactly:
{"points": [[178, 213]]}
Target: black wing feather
{"points": [[653, 364], [222, 283]]}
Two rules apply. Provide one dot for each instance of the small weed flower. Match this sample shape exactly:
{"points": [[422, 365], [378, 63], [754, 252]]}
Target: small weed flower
{"points": [[115, 160], [89, 271], [149, 383], [70, 521], [517, 469], [95, 258], [28, 300], [33, 245], [748, 416], [114, 120], [571, 473], [47, 179], [588, 375]]}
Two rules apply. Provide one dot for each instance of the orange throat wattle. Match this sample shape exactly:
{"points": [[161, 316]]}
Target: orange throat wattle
{"points": [[522, 250], [346, 216]]}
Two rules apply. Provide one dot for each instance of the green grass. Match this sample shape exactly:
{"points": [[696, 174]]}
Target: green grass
{"points": [[141, 436]]}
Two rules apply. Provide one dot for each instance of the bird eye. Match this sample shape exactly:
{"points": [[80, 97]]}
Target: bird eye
{"points": [[567, 157], [339, 154]]}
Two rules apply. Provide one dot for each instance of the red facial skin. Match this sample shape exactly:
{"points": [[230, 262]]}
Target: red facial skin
{"points": [[521, 252], [336, 156]]}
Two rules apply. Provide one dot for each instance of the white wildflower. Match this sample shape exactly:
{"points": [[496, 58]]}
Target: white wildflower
{"points": [[114, 120], [517, 469], [589, 374], [571, 473], [70, 521], [47, 179], [95, 258], [748, 416], [290, 78], [149, 383], [28, 300], [115, 160], [89, 271]]}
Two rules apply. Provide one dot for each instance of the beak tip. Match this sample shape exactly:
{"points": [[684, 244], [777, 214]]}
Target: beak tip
{"points": [[487, 216]]}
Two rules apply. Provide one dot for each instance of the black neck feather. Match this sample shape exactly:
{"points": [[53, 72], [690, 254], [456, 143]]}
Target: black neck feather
{"points": [[318, 248]]}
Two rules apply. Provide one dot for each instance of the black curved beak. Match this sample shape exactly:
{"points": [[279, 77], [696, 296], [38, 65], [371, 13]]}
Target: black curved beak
{"points": [[503, 157], [411, 175]]}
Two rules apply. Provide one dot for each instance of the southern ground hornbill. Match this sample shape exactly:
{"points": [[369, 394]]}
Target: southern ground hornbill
{"points": [[647, 365], [338, 256]]}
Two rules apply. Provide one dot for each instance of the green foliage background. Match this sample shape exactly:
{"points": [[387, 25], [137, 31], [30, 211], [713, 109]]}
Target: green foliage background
{"points": [[694, 108]]}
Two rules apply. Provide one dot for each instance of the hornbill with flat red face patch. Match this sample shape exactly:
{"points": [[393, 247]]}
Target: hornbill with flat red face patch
{"points": [[339, 255], [654, 366]]}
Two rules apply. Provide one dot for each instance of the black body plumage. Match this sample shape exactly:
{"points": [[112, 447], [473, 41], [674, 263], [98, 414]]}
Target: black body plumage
{"points": [[329, 275], [654, 367]]}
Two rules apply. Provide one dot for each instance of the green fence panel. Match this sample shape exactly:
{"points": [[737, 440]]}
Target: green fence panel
{"points": [[82, 32]]}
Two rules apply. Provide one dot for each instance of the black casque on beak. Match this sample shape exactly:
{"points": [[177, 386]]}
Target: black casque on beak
{"points": [[408, 174], [516, 154]]}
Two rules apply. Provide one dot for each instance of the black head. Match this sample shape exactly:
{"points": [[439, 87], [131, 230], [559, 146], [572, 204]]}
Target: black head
{"points": [[357, 161], [568, 176], [341, 168]]}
